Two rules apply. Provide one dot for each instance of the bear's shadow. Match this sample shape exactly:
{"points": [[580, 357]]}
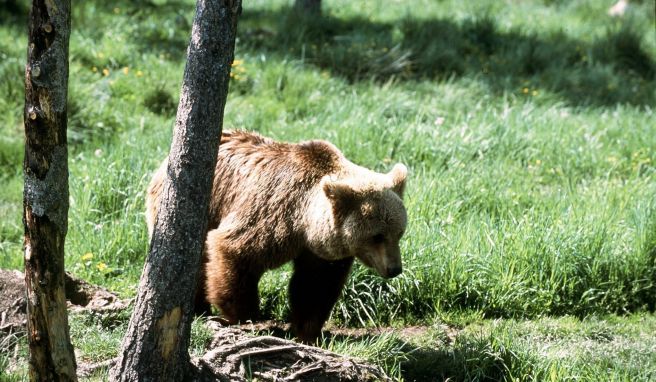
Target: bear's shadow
{"points": [[437, 362]]}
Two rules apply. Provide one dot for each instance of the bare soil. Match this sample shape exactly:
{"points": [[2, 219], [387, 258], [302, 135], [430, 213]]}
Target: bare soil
{"points": [[282, 330], [12, 301], [81, 296]]}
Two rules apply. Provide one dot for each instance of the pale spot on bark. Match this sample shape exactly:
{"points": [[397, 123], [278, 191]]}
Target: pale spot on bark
{"points": [[55, 313], [52, 7], [44, 103], [28, 249], [167, 328]]}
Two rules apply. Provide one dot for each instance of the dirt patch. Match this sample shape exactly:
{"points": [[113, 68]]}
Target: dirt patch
{"points": [[81, 296], [12, 301], [282, 330]]}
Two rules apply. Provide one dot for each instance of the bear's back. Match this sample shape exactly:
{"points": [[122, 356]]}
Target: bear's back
{"points": [[265, 181], [261, 184]]}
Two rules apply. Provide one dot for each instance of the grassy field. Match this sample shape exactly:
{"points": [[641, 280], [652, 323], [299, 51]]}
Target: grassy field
{"points": [[528, 127]]}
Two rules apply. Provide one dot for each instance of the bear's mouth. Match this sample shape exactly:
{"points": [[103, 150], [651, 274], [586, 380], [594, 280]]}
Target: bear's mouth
{"points": [[381, 267], [393, 272]]}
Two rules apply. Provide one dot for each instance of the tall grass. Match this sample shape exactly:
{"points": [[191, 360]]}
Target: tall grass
{"points": [[528, 128], [525, 197]]}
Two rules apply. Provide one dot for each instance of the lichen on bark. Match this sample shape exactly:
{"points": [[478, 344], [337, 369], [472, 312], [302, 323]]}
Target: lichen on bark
{"points": [[39, 195]]}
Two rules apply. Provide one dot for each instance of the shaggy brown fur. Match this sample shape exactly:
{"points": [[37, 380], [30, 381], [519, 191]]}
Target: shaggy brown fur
{"points": [[276, 202]]}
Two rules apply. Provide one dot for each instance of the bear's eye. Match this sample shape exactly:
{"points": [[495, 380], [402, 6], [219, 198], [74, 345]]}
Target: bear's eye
{"points": [[378, 239]]}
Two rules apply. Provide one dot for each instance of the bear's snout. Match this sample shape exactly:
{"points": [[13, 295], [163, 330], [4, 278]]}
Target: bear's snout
{"points": [[394, 271]]}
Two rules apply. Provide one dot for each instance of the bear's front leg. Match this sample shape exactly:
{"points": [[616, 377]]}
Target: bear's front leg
{"points": [[314, 288], [231, 280]]}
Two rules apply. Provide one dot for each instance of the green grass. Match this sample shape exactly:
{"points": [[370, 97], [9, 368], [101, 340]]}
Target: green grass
{"points": [[608, 348], [528, 127]]}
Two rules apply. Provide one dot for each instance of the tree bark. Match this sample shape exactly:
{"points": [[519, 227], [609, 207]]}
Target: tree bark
{"points": [[45, 196], [156, 342]]}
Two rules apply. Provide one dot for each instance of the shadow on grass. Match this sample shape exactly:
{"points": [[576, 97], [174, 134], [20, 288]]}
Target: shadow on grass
{"points": [[467, 359], [14, 12], [613, 69], [649, 248]]}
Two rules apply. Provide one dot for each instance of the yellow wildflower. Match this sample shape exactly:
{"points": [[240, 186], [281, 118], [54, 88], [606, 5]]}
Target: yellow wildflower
{"points": [[87, 256], [139, 73], [126, 70], [105, 72], [94, 69], [101, 266], [525, 90]]}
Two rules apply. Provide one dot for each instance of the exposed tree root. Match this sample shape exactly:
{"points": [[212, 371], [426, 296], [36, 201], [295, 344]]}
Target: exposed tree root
{"points": [[236, 356]]}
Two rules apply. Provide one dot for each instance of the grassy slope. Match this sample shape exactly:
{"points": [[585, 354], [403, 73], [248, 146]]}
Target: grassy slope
{"points": [[528, 128]]}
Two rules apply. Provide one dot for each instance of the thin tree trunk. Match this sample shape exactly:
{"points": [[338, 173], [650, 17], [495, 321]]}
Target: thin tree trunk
{"points": [[45, 197], [155, 345], [308, 7]]}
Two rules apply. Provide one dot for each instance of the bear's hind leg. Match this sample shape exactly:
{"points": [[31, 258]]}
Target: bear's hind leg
{"points": [[314, 288], [231, 281]]}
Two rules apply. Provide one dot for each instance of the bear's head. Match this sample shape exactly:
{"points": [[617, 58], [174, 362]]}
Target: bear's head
{"points": [[370, 218]]}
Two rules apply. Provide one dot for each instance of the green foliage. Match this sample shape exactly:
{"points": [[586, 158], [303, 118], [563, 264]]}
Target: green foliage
{"points": [[201, 336], [9, 344], [161, 102], [97, 336], [528, 128]]}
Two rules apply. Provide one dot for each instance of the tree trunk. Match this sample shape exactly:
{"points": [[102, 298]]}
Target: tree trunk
{"points": [[156, 342], [45, 197], [308, 7]]}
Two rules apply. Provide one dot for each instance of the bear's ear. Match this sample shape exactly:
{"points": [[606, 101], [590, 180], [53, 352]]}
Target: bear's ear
{"points": [[398, 174], [340, 193]]}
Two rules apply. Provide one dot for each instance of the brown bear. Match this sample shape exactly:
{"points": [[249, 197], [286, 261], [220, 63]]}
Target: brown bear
{"points": [[275, 202]]}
